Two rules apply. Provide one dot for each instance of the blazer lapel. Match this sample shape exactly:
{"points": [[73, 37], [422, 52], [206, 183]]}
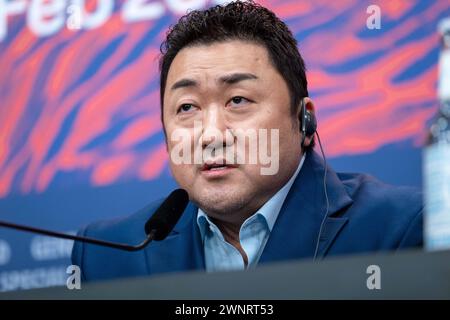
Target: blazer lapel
{"points": [[181, 250], [296, 231]]}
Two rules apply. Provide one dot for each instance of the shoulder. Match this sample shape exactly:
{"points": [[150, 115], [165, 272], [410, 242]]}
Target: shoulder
{"points": [[123, 228], [391, 215], [371, 192], [97, 262]]}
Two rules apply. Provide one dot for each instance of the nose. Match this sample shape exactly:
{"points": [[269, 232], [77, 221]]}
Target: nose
{"points": [[215, 134]]}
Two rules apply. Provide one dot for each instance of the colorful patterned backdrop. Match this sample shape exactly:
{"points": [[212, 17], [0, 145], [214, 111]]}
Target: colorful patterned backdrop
{"points": [[80, 132]]}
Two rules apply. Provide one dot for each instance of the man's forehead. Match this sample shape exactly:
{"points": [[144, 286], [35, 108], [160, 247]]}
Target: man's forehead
{"points": [[218, 60]]}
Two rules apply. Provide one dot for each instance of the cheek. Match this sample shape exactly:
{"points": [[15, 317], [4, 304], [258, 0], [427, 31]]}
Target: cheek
{"points": [[181, 142], [288, 133], [183, 174], [290, 137], [271, 115]]}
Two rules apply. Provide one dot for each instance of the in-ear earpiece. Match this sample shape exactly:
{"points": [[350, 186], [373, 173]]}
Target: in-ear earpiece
{"points": [[308, 122], [311, 123]]}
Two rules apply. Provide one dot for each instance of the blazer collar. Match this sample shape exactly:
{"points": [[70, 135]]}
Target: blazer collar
{"points": [[296, 230], [182, 249]]}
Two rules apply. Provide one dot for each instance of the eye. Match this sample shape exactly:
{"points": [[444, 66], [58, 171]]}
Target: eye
{"points": [[185, 107], [238, 101]]}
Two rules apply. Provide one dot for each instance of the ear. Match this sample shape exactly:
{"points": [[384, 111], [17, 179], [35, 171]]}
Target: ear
{"points": [[309, 105]]}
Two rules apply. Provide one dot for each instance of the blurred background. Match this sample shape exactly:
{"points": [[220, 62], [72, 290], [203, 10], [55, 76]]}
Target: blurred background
{"points": [[80, 132]]}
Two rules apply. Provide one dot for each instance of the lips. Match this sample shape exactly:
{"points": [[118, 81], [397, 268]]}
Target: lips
{"points": [[217, 166]]}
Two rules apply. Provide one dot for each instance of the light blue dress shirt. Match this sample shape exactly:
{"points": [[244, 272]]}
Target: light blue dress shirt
{"points": [[221, 255]]}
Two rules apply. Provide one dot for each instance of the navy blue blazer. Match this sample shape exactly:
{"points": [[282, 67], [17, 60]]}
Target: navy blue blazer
{"points": [[365, 215]]}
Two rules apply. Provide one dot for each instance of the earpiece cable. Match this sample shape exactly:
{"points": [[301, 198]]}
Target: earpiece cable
{"points": [[326, 197]]}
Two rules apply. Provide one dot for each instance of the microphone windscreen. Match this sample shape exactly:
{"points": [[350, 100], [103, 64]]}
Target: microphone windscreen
{"points": [[167, 215]]}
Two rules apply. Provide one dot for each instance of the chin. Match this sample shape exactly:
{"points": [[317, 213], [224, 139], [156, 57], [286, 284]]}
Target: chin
{"points": [[221, 202]]}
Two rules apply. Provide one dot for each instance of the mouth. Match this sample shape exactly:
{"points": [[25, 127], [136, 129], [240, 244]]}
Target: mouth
{"points": [[216, 168]]}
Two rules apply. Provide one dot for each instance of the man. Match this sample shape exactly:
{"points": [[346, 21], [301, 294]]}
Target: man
{"points": [[238, 67]]}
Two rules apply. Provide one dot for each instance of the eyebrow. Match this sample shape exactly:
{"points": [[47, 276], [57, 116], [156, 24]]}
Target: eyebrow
{"points": [[183, 83], [237, 77], [227, 79]]}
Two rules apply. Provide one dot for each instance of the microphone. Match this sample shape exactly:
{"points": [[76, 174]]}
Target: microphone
{"points": [[157, 227]]}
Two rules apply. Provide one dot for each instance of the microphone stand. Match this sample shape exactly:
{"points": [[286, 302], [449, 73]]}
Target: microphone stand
{"points": [[114, 245]]}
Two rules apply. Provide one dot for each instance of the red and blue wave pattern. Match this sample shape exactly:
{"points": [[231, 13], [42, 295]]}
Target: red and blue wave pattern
{"points": [[82, 106]]}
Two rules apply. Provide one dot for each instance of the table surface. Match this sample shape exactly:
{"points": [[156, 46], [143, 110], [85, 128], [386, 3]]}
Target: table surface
{"points": [[403, 275]]}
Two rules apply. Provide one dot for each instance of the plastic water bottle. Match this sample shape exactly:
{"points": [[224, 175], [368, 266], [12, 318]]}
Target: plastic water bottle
{"points": [[437, 157]]}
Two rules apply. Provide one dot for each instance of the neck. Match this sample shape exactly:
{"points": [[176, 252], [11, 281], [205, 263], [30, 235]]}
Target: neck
{"points": [[230, 232], [230, 225]]}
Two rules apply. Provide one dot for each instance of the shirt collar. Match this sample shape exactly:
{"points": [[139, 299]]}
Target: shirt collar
{"points": [[270, 210]]}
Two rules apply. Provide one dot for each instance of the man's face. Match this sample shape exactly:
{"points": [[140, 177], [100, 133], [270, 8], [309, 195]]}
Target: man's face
{"points": [[227, 86]]}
